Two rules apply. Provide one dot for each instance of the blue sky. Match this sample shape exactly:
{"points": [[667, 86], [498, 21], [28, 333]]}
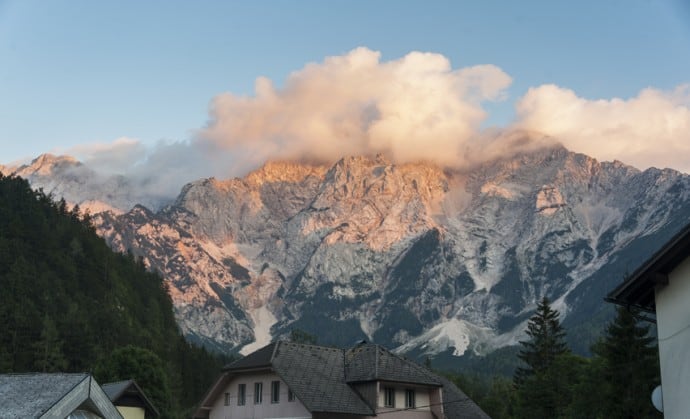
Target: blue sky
{"points": [[79, 72]]}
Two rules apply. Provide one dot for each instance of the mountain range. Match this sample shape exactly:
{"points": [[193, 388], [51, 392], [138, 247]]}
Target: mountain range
{"points": [[424, 259]]}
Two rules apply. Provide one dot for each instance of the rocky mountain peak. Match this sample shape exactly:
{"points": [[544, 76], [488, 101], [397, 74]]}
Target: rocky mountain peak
{"points": [[284, 171], [399, 254], [46, 165]]}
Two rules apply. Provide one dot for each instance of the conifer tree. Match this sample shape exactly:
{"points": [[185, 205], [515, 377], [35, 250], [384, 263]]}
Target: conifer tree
{"points": [[630, 367], [546, 342]]}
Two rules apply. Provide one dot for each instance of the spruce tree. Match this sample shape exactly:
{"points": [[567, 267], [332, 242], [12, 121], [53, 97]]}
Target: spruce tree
{"points": [[630, 367], [546, 342]]}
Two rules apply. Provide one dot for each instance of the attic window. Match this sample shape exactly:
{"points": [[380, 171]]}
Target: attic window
{"points": [[291, 396], [227, 399]]}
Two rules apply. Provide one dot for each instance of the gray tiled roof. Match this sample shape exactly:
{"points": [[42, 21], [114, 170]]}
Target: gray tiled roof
{"points": [[322, 378], [316, 375], [126, 389], [457, 405], [31, 395], [367, 362], [114, 390], [257, 359]]}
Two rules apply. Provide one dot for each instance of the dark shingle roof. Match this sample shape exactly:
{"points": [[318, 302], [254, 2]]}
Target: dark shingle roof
{"points": [[320, 377], [316, 375], [369, 362], [258, 359], [457, 405], [126, 389], [31, 395], [114, 390]]}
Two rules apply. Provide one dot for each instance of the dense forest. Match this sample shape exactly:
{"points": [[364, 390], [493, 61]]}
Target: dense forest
{"points": [[68, 303]]}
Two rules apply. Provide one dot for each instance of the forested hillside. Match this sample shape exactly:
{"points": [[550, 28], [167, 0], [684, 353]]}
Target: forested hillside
{"points": [[69, 303]]}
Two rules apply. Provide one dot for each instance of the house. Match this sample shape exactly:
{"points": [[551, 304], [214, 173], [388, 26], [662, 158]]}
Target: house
{"points": [[130, 400], [73, 396], [661, 286], [293, 380]]}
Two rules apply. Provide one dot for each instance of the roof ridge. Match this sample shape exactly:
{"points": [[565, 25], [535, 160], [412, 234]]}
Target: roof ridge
{"points": [[70, 390]]}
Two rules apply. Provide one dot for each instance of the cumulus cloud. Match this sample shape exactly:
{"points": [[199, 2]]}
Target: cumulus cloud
{"points": [[413, 108], [110, 157], [651, 129], [147, 174]]}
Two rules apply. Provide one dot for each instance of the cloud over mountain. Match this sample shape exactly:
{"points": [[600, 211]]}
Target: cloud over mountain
{"points": [[414, 108], [651, 129]]}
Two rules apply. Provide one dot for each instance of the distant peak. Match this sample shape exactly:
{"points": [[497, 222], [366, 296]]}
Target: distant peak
{"points": [[284, 171], [48, 158]]}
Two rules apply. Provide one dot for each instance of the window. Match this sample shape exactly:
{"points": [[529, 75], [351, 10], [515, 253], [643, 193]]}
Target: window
{"points": [[241, 394], [409, 399], [258, 388], [275, 391], [227, 399], [291, 396], [388, 397]]}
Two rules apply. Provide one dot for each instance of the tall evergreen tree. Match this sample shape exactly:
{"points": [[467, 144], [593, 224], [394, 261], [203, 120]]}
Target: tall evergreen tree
{"points": [[546, 341], [630, 367]]}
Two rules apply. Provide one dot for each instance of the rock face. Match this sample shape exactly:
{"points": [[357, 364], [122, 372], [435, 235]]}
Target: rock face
{"points": [[409, 256]]}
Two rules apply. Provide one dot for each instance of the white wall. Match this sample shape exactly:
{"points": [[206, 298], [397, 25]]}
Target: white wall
{"points": [[266, 409], [422, 399], [673, 323]]}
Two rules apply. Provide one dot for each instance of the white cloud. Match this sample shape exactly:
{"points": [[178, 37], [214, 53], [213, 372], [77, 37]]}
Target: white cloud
{"points": [[651, 129], [414, 108], [110, 157]]}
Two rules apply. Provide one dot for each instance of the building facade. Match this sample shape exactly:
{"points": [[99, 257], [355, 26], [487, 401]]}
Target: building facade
{"points": [[291, 380]]}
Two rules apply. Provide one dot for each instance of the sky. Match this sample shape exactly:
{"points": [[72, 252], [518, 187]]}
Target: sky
{"points": [[190, 89]]}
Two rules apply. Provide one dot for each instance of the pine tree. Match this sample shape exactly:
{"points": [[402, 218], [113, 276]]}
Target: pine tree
{"points": [[630, 367], [546, 342]]}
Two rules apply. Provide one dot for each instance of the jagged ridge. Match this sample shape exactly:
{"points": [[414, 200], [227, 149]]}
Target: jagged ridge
{"points": [[405, 255]]}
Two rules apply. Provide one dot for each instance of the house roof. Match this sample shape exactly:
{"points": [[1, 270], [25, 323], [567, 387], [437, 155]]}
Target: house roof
{"points": [[125, 391], [261, 358], [369, 362], [456, 404], [638, 289], [316, 375], [321, 377], [37, 395]]}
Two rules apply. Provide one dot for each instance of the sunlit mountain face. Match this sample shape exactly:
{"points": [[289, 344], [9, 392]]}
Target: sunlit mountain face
{"points": [[413, 256]]}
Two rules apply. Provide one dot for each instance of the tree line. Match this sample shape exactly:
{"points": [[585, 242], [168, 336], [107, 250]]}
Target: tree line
{"points": [[552, 382], [68, 303]]}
